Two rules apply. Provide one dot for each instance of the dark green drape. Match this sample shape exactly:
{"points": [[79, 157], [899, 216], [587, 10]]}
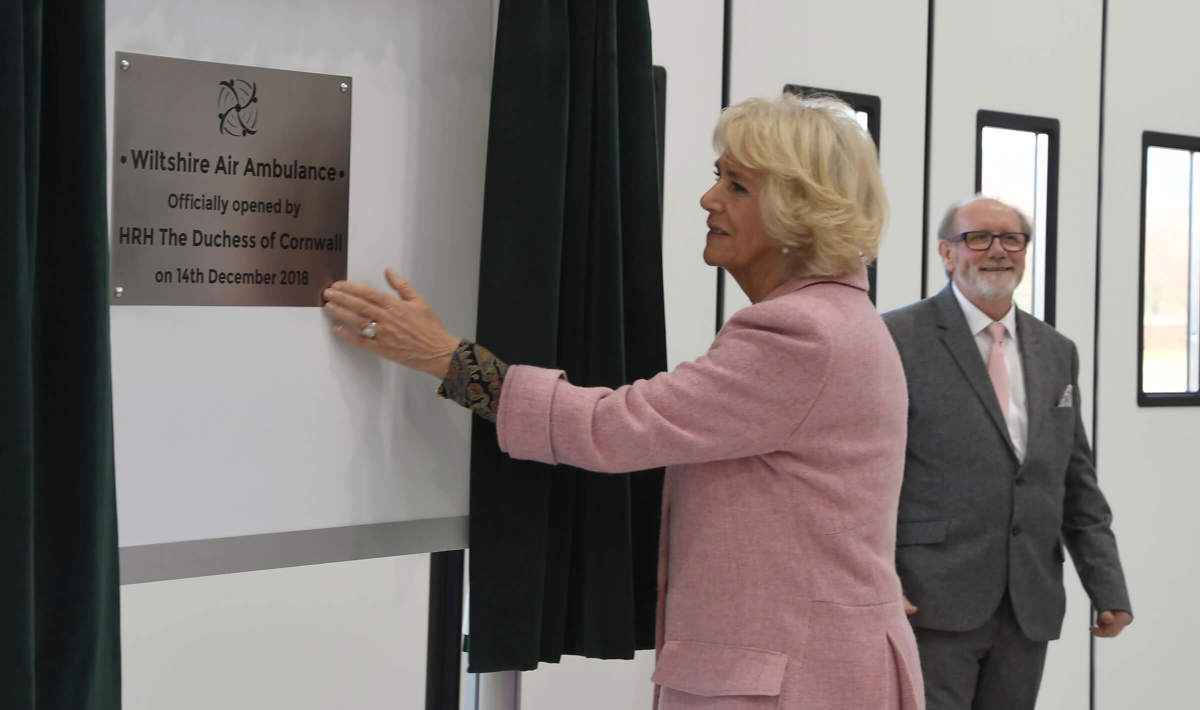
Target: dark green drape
{"points": [[563, 561], [59, 631]]}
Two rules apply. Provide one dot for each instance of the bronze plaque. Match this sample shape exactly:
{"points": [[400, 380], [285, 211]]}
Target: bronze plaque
{"points": [[231, 184]]}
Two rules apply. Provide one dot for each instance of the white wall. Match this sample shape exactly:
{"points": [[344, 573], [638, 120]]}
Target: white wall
{"points": [[1147, 457], [1039, 58], [862, 46], [686, 40]]}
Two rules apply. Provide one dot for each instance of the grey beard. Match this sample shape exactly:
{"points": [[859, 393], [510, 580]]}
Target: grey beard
{"points": [[993, 288]]}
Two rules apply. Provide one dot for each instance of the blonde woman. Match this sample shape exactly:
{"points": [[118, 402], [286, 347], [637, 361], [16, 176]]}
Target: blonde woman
{"points": [[784, 443]]}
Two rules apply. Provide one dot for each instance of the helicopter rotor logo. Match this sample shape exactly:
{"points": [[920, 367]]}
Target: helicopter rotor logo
{"points": [[237, 107]]}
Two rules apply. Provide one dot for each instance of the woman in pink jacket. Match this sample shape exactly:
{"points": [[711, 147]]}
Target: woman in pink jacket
{"points": [[784, 443]]}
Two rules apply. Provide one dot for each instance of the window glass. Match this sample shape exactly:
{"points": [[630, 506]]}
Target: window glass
{"points": [[1014, 168], [1171, 271]]}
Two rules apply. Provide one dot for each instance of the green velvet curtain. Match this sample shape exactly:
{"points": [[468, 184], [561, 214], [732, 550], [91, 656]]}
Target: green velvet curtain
{"points": [[563, 561], [59, 595]]}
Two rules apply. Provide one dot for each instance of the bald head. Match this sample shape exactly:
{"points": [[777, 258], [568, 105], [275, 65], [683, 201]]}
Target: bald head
{"points": [[949, 228]]}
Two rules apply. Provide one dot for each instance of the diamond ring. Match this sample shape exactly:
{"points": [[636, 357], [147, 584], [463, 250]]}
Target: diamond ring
{"points": [[368, 330]]}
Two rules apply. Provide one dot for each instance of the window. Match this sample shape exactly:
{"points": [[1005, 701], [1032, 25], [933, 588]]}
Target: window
{"points": [[866, 110], [1016, 161], [1169, 308]]}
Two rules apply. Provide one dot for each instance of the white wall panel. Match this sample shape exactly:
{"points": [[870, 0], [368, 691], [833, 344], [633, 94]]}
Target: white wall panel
{"points": [[687, 42], [1148, 460], [863, 46], [1040, 58], [344, 635], [589, 684]]}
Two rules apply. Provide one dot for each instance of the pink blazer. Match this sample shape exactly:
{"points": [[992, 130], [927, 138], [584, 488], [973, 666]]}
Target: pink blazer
{"points": [[785, 450]]}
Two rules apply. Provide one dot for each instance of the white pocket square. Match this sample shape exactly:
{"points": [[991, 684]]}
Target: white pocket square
{"points": [[1067, 400]]}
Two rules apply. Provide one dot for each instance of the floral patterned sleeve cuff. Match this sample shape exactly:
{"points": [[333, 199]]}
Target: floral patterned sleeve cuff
{"points": [[474, 379]]}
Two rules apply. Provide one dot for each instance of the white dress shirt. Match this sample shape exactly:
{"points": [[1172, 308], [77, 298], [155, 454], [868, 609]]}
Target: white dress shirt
{"points": [[977, 322]]}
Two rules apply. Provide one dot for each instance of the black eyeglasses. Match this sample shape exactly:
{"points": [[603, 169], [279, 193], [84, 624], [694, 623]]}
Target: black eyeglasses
{"points": [[982, 241]]}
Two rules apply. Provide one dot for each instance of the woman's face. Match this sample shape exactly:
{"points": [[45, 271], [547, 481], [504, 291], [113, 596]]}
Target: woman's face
{"points": [[737, 240]]}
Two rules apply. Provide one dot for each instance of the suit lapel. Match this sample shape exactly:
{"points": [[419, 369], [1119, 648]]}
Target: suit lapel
{"points": [[957, 338], [1037, 382]]}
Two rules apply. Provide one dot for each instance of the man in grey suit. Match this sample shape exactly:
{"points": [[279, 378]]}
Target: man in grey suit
{"points": [[998, 475]]}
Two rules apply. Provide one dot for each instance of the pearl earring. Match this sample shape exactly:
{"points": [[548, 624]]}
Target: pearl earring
{"points": [[785, 250]]}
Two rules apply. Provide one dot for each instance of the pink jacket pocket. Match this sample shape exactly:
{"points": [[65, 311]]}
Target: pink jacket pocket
{"points": [[713, 670]]}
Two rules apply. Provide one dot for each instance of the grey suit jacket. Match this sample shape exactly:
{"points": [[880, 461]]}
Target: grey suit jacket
{"points": [[974, 521]]}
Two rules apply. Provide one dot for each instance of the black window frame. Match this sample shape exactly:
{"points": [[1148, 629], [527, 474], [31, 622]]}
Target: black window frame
{"points": [[868, 104], [985, 118], [1155, 139], [659, 76]]}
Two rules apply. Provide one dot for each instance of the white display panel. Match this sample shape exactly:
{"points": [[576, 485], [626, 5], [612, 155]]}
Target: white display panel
{"points": [[239, 421]]}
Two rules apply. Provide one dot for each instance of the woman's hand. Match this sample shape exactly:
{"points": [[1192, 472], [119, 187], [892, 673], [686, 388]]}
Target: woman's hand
{"points": [[407, 330]]}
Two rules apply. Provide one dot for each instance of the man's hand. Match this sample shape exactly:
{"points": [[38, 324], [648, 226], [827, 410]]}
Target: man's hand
{"points": [[908, 606], [1110, 623]]}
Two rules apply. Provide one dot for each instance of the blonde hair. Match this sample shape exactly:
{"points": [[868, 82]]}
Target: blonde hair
{"points": [[822, 194]]}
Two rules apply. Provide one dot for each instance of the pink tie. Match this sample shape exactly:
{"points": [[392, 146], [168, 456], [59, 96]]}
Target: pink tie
{"points": [[997, 369]]}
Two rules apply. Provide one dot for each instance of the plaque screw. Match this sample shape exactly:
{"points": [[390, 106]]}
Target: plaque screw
{"points": [[124, 65], [119, 291], [345, 87]]}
